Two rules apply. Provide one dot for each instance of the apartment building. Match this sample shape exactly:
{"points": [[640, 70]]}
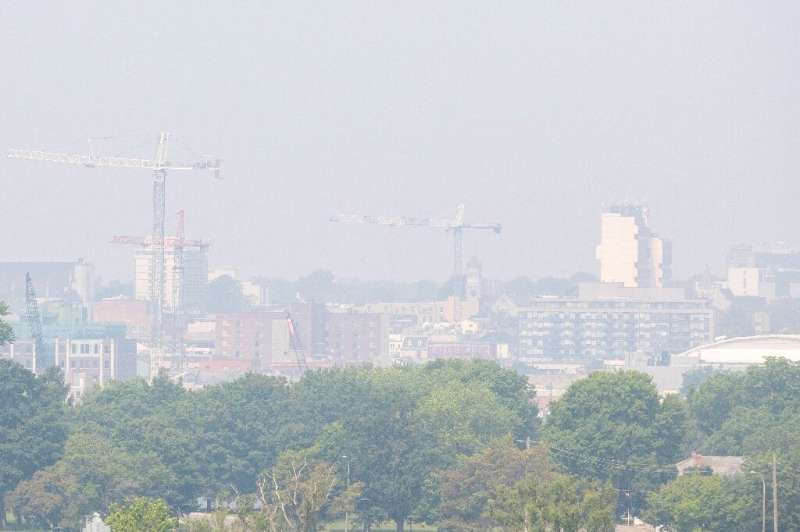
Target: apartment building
{"points": [[610, 321]]}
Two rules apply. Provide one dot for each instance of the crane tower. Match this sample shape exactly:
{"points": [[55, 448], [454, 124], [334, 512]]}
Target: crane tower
{"points": [[456, 225], [34, 319], [159, 167]]}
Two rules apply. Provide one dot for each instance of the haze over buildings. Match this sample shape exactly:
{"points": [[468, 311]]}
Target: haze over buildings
{"points": [[531, 114]]}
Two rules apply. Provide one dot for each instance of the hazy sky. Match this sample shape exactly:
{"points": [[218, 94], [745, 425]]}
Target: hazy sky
{"points": [[533, 114]]}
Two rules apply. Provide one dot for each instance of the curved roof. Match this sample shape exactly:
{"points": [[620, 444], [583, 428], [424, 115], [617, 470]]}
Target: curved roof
{"points": [[748, 349]]}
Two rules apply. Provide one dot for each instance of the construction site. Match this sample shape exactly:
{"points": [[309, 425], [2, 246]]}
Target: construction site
{"points": [[165, 327]]}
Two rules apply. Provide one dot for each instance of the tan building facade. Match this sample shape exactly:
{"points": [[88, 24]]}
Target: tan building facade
{"points": [[629, 252]]}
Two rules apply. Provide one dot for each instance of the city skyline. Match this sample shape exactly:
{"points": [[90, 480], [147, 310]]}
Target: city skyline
{"points": [[646, 105]]}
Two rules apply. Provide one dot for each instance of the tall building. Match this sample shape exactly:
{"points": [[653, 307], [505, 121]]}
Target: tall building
{"points": [[629, 251], [195, 277]]}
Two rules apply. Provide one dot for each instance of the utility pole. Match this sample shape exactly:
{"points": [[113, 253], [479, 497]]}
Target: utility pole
{"points": [[346, 514], [774, 495], [763, 500]]}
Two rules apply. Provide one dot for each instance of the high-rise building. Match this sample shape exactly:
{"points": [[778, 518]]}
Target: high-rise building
{"points": [[629, 251], [195, 278]]}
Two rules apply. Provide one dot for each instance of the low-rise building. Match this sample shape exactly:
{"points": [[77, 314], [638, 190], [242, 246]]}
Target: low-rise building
{"points": [[89, 354]]}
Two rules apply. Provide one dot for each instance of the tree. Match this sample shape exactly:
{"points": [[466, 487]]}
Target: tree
{"points": [[299, 490], [6, 331], [32, 424], [244, 425], [561, 502], [464, 418], [696, 502], [92, 475], [142, 513], [225, 295], [466, 489], [612, 426]]}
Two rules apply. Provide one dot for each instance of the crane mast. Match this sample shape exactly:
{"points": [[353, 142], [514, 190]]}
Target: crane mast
{"points": [[34, 319], [456, 225], [159, 165], [178, 289], [295, 344]]}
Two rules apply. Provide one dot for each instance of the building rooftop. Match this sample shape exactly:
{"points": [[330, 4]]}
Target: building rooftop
{"points": [[747, 350]]}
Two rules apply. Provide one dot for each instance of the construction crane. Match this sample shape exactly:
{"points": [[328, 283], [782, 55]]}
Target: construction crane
{"points": [[456, 225], [178, 288], [295, 344], [34, 319], [177, 244], [159, 166]]}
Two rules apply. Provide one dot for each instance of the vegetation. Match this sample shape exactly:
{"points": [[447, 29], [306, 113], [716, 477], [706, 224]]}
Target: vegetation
{"points": [[32, 425], [141, 514], [457, 445], [613, 427]]}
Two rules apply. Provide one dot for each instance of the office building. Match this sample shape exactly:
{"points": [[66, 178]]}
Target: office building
{"points": [[629, 251]]}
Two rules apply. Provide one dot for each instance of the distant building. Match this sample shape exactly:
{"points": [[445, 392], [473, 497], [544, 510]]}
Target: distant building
{"points": [[88, 354], [134, 314], [52, 280], [461, 349], [263, 335], [195, 278], [357, 337], [629, 251], [732, 353], [473, 280], [726, 466], [768, 271], [423, 312], [256, 294], [609, 321]]}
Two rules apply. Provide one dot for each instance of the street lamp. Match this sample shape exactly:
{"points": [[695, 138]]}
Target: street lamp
{"points": [[763, 500]]}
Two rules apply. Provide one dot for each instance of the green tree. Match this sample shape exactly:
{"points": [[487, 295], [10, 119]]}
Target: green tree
{"points": [[464, 418], [300, 491], [244, 425], [6, 331], [32, 424], [695, 502], [225, 295], [466, 489], [730, 408], [141, 514], [92, 475], [560, 502], [613, 427]]}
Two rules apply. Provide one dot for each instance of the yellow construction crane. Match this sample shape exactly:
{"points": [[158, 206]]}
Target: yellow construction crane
{"points": [[159, 166]]}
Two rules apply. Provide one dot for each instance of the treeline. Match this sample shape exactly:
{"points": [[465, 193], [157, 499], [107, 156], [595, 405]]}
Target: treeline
{"points": [[455, 444]]}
